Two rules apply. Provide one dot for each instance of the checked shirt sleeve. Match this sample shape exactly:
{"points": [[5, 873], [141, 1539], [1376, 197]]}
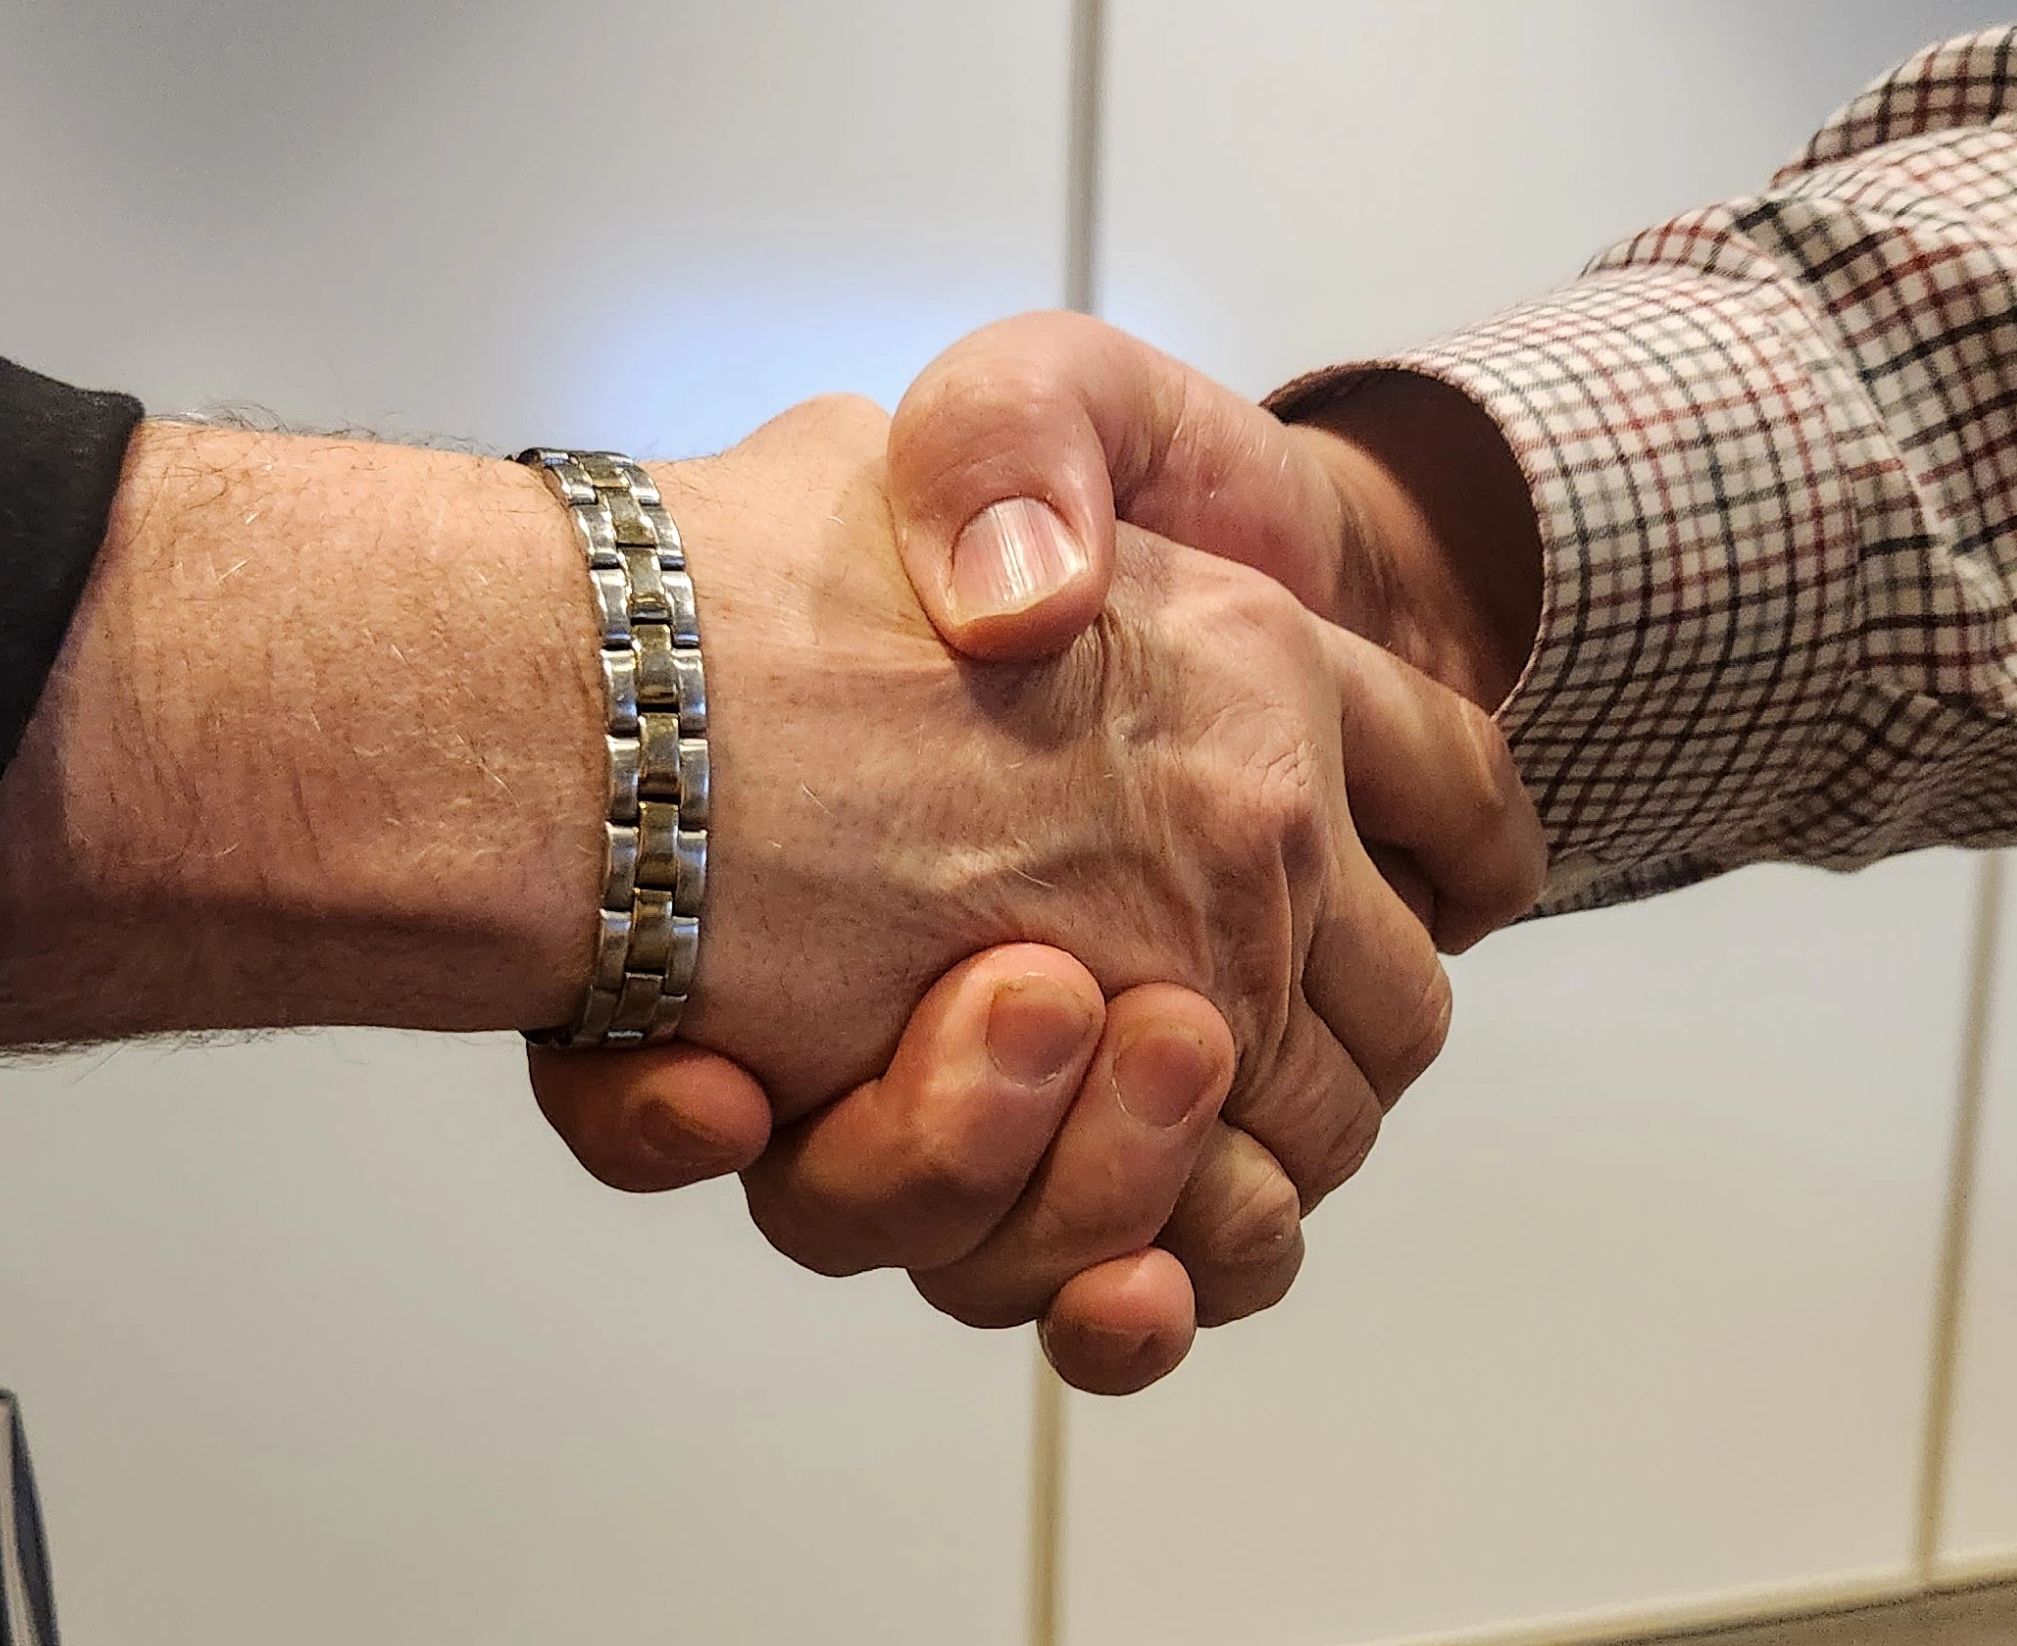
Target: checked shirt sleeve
{"points": [[1772, 447]]}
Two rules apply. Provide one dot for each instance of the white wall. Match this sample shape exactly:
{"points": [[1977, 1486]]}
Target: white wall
{"points": [[1980, 1525], [322, 1338]]}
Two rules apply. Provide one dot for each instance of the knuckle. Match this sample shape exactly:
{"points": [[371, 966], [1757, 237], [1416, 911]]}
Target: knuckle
{"points": [[1281, 802], [1284, 779], [1273, 815], [1094, 1222], [805, 1239], [1260, 1227], [985, 1308], [1252, 601], [1030, 332], [1292, 795], [941, 1170], [1220, 1305], [1294, 1116], [1221, 1301], [970, 426], [1311, 1096], [982, 391], [1426, 1030], [1492, 801], [1349, 1153]]}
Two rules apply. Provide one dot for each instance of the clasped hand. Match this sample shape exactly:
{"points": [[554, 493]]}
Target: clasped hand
{"points": [[1079, 871]]}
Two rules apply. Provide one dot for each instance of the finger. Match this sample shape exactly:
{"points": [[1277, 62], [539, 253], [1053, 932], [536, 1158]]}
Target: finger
{"points": [[1015, 452], [1374, 978], [1400, 871], [652, 1119], [1237, 1228], [915, 1168], [1310, 1108], [1429, 772], [1107, 1185], [1119, 1326]]}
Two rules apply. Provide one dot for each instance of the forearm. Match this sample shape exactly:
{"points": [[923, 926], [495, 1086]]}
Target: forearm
{"points": [[322, 746]]}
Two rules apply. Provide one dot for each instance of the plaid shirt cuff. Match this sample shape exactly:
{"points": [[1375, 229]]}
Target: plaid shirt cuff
{"points": [[1700, 588], [1699, 596]]}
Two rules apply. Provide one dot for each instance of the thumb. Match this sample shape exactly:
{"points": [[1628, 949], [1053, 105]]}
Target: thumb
{"points": [[1000, 485], [656, 1118], [1014, 454]]}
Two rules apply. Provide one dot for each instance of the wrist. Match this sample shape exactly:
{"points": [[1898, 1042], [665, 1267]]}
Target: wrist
{"points": [[320, 748], [847, 864], [1441, 509], [813, 647]]}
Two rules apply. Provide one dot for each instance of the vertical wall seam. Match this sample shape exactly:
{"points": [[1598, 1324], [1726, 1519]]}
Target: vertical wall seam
{"points": [[1084, 92], [1950, 1281], [1047, 1455], [1083, 155]]}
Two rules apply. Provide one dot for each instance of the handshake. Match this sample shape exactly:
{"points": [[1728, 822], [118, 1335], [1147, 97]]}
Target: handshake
{"points": [[1099, 764], [1133, 742]]}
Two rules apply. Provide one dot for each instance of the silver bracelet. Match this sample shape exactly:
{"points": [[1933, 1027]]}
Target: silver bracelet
{"points": [[655, 871]]}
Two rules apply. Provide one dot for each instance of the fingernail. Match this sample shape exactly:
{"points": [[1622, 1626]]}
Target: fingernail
{"points": [[1011, 556], [1163, 1074], [1035, 1028]]}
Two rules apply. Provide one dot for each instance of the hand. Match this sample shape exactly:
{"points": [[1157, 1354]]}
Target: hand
{"points": [[951, 1152], [1395, 510], [1232, 1158], [1167, 800]]}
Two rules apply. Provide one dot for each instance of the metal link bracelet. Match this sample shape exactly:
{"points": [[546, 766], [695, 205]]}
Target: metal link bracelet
{"points": [[655, 693]]}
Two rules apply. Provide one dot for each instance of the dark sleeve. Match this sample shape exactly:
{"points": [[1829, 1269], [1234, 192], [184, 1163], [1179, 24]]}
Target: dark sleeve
{"points": [[60, 454], [27, 1608]]}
